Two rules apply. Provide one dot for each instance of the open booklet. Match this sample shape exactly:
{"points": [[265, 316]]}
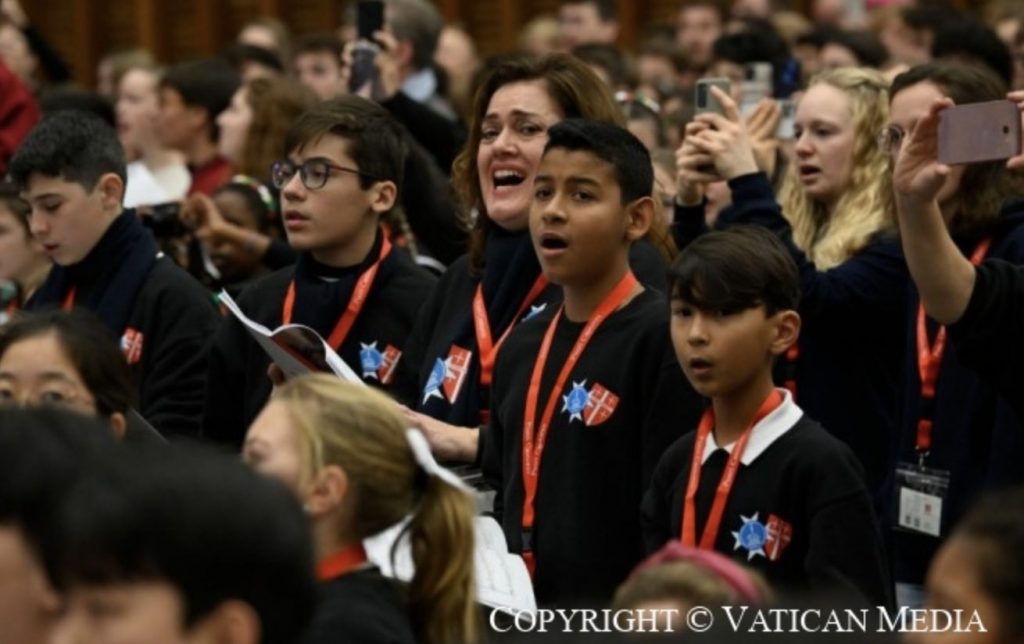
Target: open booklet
{"points": [[297, 349]]}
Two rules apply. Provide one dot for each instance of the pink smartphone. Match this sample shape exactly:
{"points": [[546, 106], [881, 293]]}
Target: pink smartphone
{"points": [[978, 132]]}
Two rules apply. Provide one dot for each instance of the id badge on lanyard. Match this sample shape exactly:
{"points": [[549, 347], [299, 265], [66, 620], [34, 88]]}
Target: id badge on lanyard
{"points": [[921, 493]]}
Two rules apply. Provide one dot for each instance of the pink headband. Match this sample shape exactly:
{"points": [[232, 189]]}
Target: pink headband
{"points": [[735, 576]]}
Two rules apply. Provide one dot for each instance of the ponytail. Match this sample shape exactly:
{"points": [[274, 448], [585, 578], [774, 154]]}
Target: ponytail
{"points": [[441, 595]]}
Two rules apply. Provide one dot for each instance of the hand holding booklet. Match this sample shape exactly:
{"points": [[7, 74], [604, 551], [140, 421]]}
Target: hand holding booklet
{"points": [[297, 349]]}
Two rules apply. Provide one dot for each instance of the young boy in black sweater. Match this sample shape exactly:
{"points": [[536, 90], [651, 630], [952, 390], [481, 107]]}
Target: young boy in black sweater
{"points": [[342, 173], [71, 170], [585, 399], [758, 480]]}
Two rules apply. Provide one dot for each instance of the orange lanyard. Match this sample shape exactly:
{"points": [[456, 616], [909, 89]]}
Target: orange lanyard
{"points": [[792, 355], [355, 303], [533, 445], [69, 299], [488, 350], [341, 563], [707, 423], [929, 358]]}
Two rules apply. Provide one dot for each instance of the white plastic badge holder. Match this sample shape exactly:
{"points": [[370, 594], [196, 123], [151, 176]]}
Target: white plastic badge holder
{"points": [[921, 494]]}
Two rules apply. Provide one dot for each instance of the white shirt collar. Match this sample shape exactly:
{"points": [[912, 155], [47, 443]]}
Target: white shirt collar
{"points": [[421, 85], [766, 432]]}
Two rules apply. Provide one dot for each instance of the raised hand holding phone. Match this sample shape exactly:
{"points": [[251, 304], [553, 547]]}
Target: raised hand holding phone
{"points": [[725, 139]]}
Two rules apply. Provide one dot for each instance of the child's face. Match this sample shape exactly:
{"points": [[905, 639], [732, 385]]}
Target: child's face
{"points": [[37, 371], [330, 218], [137, 110], [178, 124], [125, 613], [19, 253], [234, 125], [577, 222], [226, 256], [321, 72], [512, 138], [27, 602], [721, 352], [66, 220]]}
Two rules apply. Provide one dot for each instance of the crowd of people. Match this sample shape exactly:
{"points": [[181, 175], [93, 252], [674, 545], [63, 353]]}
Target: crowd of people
{"points": [[706, 322]]}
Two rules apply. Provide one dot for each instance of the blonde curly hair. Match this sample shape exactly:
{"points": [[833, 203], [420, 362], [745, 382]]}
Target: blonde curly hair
{"points": [[866, 206]]}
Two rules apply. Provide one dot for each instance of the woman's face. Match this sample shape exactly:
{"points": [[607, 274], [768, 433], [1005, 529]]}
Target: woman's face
{"points": [[136, 110], [513, 133], [234, 125], [37, 371], [825, 141], [272, 446], [906, 109], [954, 583], [19, 252]]}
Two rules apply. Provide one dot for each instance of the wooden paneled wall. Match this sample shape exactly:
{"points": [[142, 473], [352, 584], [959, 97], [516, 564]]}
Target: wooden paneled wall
{"points": [[176, 30]]}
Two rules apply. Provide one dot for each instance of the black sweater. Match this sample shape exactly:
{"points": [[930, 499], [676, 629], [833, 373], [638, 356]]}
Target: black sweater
{"points": [[360, 607], [586, 535], [238, 385], [977, 435], [851, 343], [795, 479]]}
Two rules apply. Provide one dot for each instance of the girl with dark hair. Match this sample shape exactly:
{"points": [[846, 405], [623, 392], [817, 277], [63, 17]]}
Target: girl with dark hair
{"points": [[70, 359], [954, 423], [23, 264], [346, 454]]}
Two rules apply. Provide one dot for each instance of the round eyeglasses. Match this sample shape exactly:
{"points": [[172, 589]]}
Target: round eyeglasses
{"points": [[313, 173]]}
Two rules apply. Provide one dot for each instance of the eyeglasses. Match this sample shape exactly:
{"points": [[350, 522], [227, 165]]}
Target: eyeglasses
{"points": [[890, 139], [314, 173]]}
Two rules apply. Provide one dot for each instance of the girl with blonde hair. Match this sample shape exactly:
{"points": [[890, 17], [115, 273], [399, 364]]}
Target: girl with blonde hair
{"points": [[837, 220], [344, 451]]}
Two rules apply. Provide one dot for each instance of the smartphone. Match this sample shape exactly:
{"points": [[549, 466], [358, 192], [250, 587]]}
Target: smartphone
{"points": [[369, 20], [784, 131], [705, 100], [757, 85], [979, 132]]}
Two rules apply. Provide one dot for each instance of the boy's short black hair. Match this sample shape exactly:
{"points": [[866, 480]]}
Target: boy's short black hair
{"points": [[208, 84], [375, 140], [612, 144], [974, 42], [606, 9], [73, 98], [70, 144], [43, 451], [866, 47], [736, 269], [239, 54], [609, 58], [200, 521]]}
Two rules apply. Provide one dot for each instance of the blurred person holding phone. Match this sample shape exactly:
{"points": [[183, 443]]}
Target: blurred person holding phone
{"points": [[959, 427]]}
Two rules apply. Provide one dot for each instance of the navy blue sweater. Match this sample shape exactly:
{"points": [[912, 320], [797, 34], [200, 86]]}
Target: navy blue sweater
{"points": [[976, 436], [852, 337]]}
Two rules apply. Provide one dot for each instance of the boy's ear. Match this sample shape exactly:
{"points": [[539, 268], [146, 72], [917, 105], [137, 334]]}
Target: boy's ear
{"points": [[383, 196], [111, 189], [327, 491], [232, 622], [639, 216], [118, 425], [786, 331]]}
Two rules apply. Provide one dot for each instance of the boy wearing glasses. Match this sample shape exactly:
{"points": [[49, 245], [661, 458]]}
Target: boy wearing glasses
{"points": [[343, 171]]}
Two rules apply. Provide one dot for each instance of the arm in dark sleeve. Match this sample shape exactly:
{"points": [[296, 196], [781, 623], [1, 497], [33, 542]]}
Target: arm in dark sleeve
{"points": [[874, 278], [655, 513], [440, 136], [279, 254], [688, 223], [224, 408], [989, 337], [171, 393], [406, 388], [845, 548]]}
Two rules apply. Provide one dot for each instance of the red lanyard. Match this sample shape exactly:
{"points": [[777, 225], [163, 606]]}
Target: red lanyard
{"points": [[929, 358], [341, 563], [533, 445], [488, 350], [69, 299], [707, 423], [355, 303]]}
